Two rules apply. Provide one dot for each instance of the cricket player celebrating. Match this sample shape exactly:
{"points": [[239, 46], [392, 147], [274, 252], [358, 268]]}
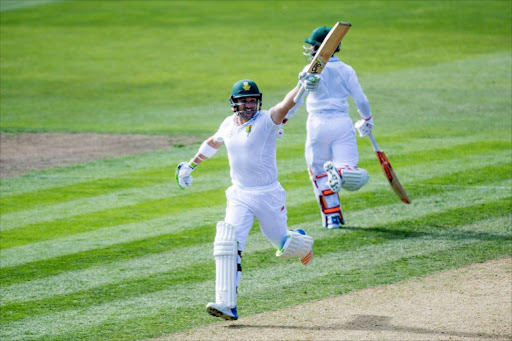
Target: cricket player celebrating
{"points": [[331, 148], [250, 139]]}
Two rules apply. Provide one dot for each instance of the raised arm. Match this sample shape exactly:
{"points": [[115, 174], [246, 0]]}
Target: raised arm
{"points": [[279, 111], [307, 81]]}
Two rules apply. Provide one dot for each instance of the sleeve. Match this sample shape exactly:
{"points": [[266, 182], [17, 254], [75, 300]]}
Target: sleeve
{"points": [[269, 124], [363, 106], [219, 135]]}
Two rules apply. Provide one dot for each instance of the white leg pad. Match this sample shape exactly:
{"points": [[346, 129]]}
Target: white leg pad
{"points": [[353, 179], [296, 245], [328, 201], [225, 253]]}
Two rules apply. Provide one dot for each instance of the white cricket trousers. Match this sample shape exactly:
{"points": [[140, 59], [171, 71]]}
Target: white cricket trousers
{"points": [[265, 203], [330, 137]]}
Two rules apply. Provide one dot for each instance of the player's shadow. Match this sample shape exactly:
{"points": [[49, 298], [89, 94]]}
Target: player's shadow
{"points": [[378, 323], [384, 323], [453, 234]]}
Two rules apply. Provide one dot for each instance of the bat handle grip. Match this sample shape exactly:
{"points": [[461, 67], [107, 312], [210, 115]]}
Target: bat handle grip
{"points": [[297, 97], [374, 143]]}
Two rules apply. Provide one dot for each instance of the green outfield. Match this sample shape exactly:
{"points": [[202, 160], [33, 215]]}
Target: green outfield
{"points": [[114, 250]]}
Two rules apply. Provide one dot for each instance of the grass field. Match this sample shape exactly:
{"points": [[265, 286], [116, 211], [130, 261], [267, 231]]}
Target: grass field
{"points": [[113, 249]]}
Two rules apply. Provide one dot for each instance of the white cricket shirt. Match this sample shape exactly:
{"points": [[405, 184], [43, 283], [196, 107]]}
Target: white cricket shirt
{"points": [[338, 82], [251, 149]]}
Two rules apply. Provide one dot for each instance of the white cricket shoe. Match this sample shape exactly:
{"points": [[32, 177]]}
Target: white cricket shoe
{"points": [[334, 222], [333, 177], [222, 311]]}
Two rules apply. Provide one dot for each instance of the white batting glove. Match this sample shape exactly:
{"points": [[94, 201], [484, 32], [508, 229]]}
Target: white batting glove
{"points": [[183, 177], [309, 81], [364, 127]]}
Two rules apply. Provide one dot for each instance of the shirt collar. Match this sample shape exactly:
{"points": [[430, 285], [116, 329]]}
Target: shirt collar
{"points": [[245, 123]]}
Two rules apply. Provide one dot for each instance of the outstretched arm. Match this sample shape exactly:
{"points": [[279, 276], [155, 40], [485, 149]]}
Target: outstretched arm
{"points": [[207, 150], [184, 169]]}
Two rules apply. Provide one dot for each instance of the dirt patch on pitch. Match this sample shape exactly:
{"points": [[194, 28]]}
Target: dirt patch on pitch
{"points": [[25, 152], [471, 303]]}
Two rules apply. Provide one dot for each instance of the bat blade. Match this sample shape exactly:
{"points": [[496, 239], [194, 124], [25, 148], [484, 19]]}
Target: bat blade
{"points": [[388, 172], [325, 51], [329, 45], [392, 178]]}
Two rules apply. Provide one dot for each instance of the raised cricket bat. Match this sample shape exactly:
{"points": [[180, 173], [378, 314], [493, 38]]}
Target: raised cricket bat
{"points": [[325, 51], [388, 172]]}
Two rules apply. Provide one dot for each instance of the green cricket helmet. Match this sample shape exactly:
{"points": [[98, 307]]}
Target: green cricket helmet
{"points": [[245, 88], [315, 40]]}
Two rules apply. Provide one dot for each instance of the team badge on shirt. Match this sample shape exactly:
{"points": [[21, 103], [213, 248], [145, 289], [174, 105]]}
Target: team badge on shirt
{"points": [[248, 129]]}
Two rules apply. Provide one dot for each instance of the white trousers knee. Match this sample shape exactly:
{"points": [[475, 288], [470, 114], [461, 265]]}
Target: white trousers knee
{"points": [[267, 204]]}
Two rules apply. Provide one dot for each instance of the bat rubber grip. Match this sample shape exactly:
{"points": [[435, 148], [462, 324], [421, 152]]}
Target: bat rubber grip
{"points": [[374, 143], [299, 95]]}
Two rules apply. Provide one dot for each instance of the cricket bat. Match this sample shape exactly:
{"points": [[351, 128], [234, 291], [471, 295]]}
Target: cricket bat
{"points": [[325, 51], [388, 172]]}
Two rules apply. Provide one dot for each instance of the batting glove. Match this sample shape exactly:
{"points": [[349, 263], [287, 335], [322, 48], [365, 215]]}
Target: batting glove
{"points": [[364, 127], [309, 81], [183, 177]]}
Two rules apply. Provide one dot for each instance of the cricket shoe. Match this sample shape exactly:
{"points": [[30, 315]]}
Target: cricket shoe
{"points": [[334, 222], [333, 177], [222, 311], [309, 257]]}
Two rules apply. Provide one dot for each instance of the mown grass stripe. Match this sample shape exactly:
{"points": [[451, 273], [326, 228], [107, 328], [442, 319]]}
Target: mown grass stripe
{"points": [[114, 200], [157, 176], [10, 221], [285, 182], [142, 211], [123, 215], [300, 214], [116, 167], [89, 186], [362, 212], [299, 196], [82, 191], [107, 237], [175, 265], [136, 195], [88, 189], [95, 204], [169, 243]]}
